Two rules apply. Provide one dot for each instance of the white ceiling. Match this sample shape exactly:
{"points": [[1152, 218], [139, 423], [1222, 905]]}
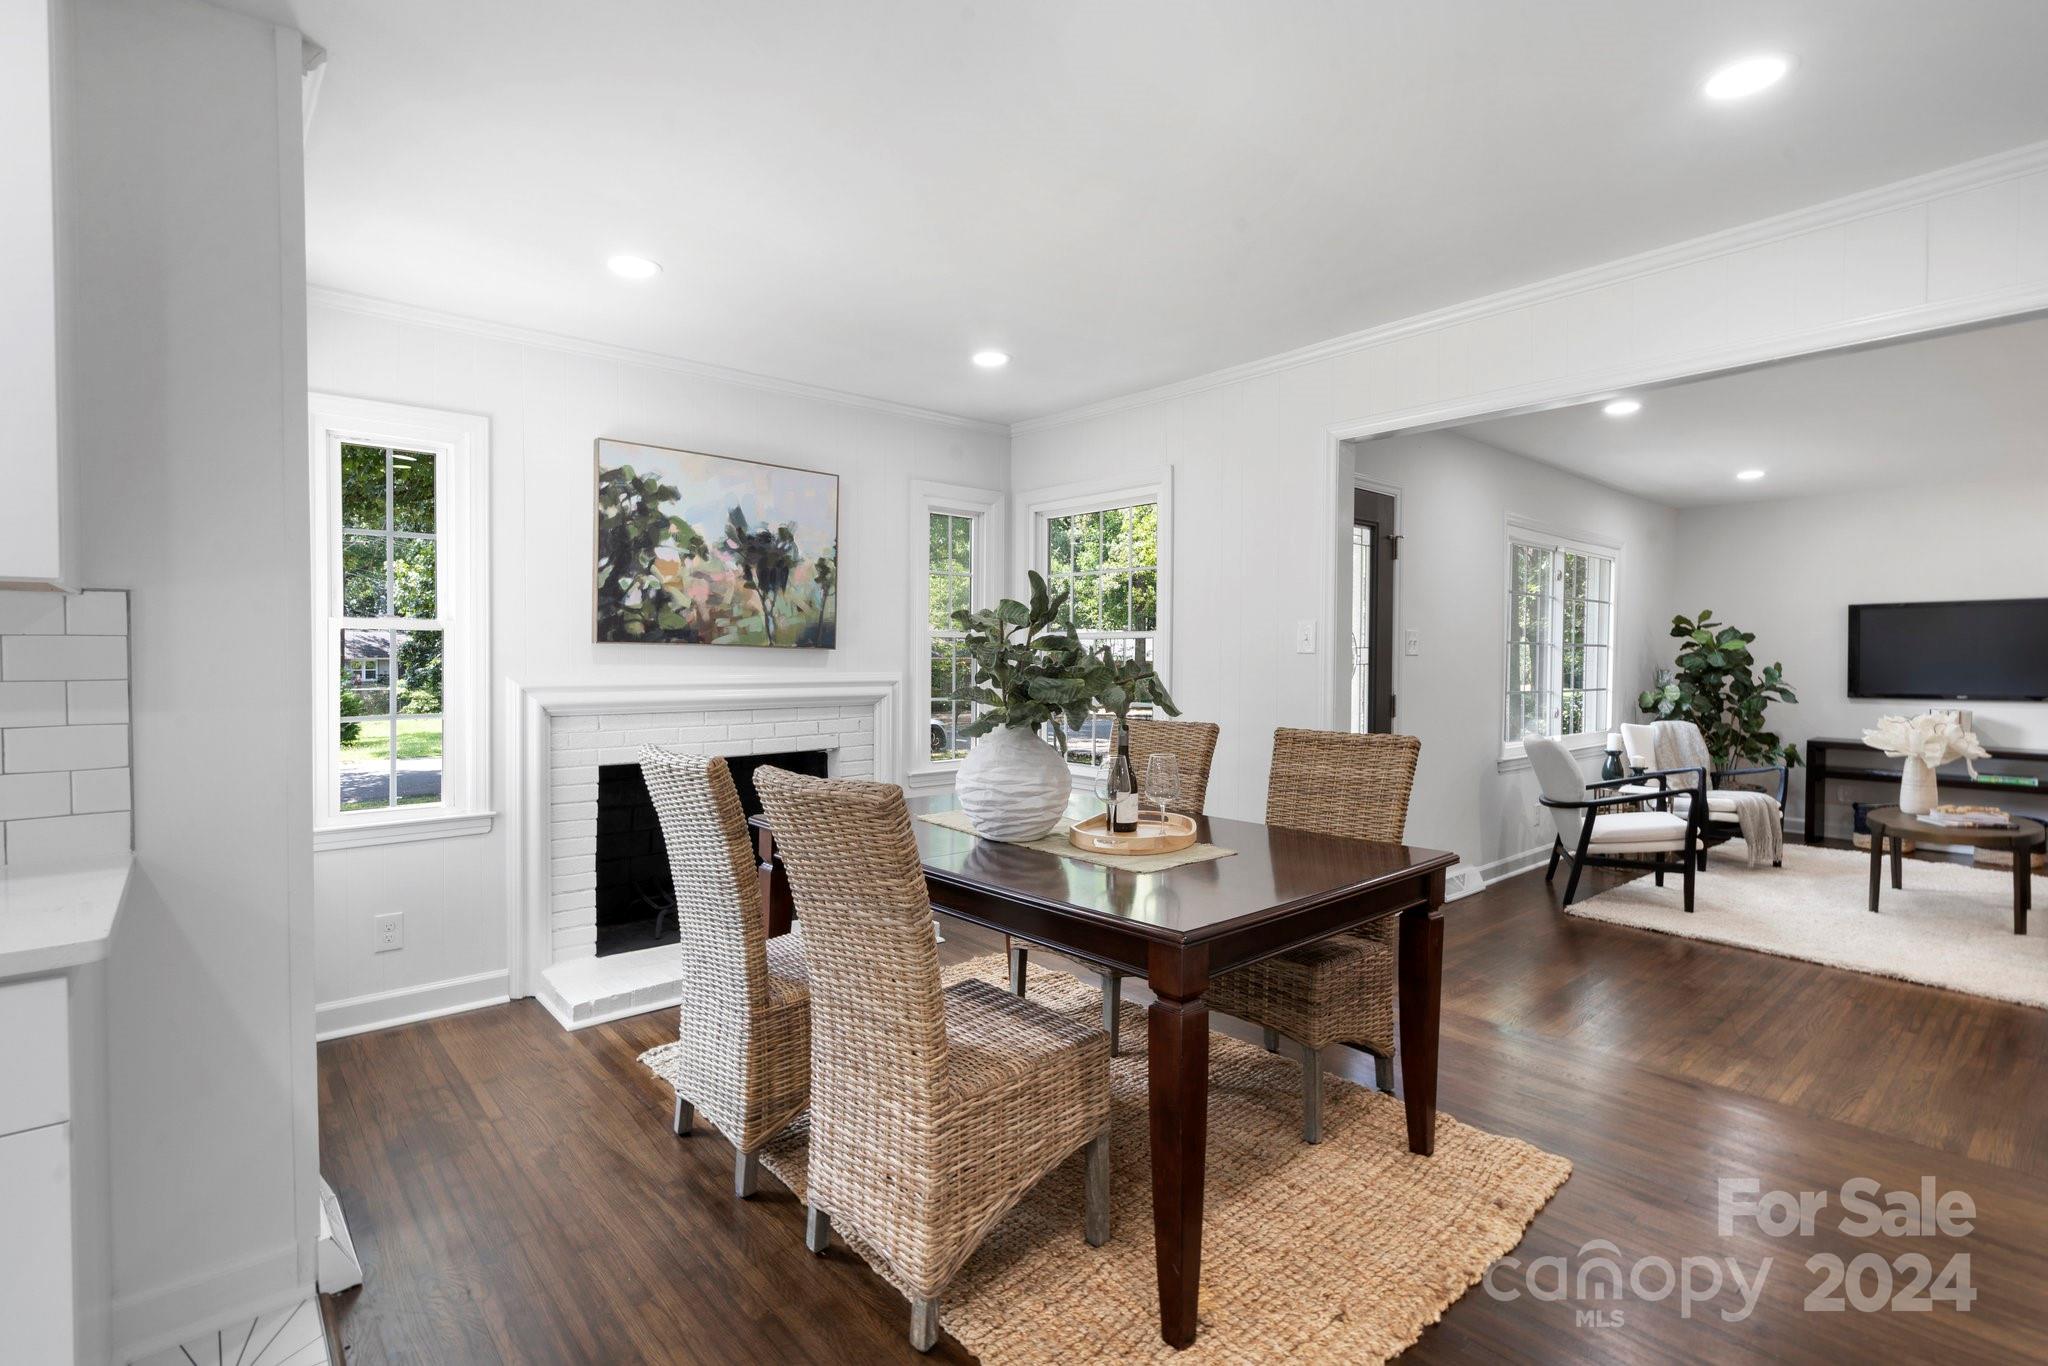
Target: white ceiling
{"points": [[1120, 194], [1969, 405]]}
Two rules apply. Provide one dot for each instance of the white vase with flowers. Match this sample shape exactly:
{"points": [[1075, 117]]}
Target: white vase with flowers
{"points": [[1925, 742]]}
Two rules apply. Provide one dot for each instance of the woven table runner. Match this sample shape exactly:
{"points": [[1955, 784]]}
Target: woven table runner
{"points": [[1057, 843]]}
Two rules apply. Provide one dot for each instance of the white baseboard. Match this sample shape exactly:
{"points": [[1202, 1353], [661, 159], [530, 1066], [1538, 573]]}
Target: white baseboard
{"points": [[405, 1005], [160, 1319], [1501, 869]]}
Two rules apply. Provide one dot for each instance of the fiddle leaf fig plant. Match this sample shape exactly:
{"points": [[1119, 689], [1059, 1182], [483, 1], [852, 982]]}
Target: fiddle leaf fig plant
{"points": [[1121, 684], [1031, 669], [1714, 684]]}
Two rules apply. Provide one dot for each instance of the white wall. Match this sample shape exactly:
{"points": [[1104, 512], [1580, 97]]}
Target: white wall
{"points": [[184, 303], [1788, 571], [1254, 448], [546, 407], [1456, 495]]}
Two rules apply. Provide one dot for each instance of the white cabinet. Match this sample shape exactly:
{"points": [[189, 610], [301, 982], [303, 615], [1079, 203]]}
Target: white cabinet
{"points": [[35, 530], [35, 1253], [36, 1270]]}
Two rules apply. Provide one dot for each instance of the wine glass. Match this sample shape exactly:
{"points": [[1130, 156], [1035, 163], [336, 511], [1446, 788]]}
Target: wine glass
{"points": [[1162, 781]]}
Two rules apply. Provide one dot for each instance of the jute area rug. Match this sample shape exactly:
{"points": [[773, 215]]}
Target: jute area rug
{"points": [[1951, 926], [1341, 1251]]}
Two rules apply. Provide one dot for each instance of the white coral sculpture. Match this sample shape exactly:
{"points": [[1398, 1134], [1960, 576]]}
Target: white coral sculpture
{"points": [[1934, 738]]}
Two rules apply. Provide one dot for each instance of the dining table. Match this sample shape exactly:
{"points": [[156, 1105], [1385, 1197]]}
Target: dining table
{"points": [[1178, 928]]}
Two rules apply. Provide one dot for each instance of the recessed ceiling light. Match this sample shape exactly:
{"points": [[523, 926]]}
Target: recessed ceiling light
{"points": [[1623, 407], [991, 360], [1749, 76], [1746, 476], [633, 267]]}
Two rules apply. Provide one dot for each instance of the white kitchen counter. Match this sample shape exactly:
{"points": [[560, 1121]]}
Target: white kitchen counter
{"points": [[59, 915]]}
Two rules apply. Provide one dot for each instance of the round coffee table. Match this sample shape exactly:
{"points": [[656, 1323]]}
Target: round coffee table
{"points": [[1888, 822]]}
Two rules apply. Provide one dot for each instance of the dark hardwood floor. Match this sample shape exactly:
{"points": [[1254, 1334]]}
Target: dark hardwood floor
{"points": [[516, 1194]]}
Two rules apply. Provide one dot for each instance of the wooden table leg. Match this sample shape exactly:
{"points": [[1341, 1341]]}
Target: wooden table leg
{"points": [[1876, 867], [1898, 863], [1177, 1043], [778, 911], [1419, 988], [2022, 887]]}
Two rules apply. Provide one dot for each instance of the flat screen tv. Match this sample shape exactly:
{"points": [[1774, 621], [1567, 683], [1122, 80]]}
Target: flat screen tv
{"points": [[1992, 650]]}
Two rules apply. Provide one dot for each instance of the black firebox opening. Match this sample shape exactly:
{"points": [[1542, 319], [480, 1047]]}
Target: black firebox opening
{"points": [[635, 896]]}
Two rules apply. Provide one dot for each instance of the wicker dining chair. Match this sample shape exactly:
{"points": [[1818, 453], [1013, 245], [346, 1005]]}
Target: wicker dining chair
{"points": [[1193, 744], [1340, 989], [933, 1110], [745, 1022]]}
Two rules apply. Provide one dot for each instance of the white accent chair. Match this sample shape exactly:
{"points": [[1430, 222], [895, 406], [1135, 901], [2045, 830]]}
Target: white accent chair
{"points": [[1639, 745], [1595, 833]]}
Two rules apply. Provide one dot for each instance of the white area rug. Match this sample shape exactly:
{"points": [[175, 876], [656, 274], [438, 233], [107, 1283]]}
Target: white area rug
{"points": [[1951, 926]]}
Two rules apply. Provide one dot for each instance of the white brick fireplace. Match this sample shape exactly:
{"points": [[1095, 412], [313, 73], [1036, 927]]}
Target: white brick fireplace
{"points": [[561, 735]]}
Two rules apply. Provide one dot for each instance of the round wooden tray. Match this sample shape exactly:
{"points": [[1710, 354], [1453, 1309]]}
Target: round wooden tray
{"points": [[1162, 836]]}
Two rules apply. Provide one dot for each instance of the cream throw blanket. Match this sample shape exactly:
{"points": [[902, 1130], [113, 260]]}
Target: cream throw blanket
{"points": [[1762, 824]]}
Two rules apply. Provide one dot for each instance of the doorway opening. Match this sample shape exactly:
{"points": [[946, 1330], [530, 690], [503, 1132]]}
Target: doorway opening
{"points": [[1374, 547]]}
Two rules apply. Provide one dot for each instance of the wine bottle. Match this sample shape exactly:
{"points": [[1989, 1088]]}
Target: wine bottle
{"points": [[1123, 788]]}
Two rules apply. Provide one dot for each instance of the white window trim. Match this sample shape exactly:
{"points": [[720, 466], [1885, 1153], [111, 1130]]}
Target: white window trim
{"points": [[983, 507], [461, 445], [1513, 754], [1039, 506]]}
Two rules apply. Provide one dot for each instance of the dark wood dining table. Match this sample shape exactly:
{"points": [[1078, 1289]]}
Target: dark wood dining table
{"points": [[1178, 928]]}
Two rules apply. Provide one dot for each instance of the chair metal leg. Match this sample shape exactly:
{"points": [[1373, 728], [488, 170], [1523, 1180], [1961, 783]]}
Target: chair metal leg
{"points": [[1311, 1095], [817, 1229], [1571, 884], [1272, 1039], [924, 1324], [1019, 956], [686, 1116], [1112, 1002], [1690, 874], [1556, 852], [1658, 859], [1095, 1210], [746, 1174]]}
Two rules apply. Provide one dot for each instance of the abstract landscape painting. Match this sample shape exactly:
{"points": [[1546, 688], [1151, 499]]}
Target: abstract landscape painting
{"points": [[697, 549]]}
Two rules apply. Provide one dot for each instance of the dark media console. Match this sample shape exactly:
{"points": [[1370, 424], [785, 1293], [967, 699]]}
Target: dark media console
{"points": [[1864, 765]]}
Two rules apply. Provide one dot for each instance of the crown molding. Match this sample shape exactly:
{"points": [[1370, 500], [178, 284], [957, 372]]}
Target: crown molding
{"points": [[320, 296], [1969, 175]]}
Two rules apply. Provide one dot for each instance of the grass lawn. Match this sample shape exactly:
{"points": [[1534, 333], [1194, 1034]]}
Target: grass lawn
{"points": [[418, 738]]}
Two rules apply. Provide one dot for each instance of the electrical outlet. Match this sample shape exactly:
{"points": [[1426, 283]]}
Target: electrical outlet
{"points": [[1305, 637], [1411, 642], [390, 928]]}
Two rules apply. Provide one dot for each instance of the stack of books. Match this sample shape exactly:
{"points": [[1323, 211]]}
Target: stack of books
{"points": [[1969, 818]]}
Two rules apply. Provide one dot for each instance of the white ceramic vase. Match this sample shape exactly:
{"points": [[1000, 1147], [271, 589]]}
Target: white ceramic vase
{"points": [[1013, 785], [1917, 794]]}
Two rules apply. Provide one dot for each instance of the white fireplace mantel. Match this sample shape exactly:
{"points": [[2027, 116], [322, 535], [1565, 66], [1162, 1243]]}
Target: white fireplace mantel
{"points": [[853, 716]]}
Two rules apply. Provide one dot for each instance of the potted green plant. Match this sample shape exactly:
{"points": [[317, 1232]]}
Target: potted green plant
{"points": [[1714, 684], [1030, 671]]}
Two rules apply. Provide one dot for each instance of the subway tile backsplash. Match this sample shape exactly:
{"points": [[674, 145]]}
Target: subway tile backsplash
{"points": [[64, 765]]}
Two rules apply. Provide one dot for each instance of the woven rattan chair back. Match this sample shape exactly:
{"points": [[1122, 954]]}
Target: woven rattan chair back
{"points": [[717, 887], [1340, 783], [878, 1024], [1193, 743]]}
